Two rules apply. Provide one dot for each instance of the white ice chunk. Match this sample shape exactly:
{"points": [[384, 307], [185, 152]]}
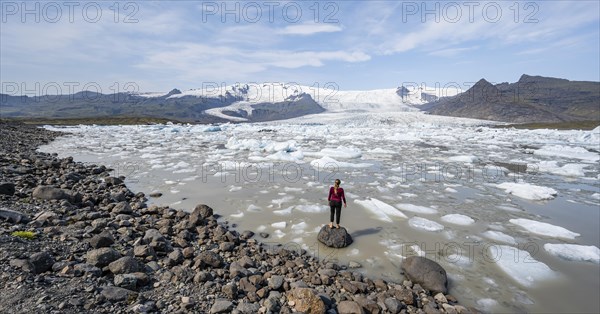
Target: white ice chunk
{"points": [[283, 212], [567, 152], [425, 224], [311, 208], [544, 229], [341, 152], [464, 158], [278, 233], [417, 208], [299, 226], [487, 304], [279, 225], [327, 162], [574, 252], [458, 219], [382, 210], [528, 191], [569, 170], [519, 265], [253, 208], [499, 236], [238, 215]]}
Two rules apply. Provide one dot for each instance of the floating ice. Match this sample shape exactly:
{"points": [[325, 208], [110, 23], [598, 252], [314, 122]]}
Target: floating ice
{"points": [[286, 211], [327, 162], [487, 304], [416, 208], [238, 215], [519, 265], [279, 225], [569, 170], [279, 234], [382, 210], [574, 252], [499, 236], [299, 226], [253, 208], [528, 191], [458, 219], [341, 152], [311, 208], [285, 156], [567, 152], [544, 229], [382, 151], [464, 158], [353, 252], [425, 224]]}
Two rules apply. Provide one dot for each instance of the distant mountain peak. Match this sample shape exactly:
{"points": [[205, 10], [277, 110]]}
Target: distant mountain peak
{"points": [[174, 91]]}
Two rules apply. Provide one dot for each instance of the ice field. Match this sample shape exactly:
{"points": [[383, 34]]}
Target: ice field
{"points": [[512, 215]]}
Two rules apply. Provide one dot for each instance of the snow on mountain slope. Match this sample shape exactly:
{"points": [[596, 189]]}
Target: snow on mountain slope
{"points": [[328, 96]]}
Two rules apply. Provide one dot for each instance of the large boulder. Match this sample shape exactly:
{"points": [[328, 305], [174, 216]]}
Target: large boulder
{"points": [[306, 300], [200, 213], [7, 188], [334, 237], [427, 273], [52, 193]]}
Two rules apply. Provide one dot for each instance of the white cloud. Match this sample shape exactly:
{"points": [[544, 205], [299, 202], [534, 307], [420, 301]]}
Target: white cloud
{"points": [[309, 29], [451, 52]]}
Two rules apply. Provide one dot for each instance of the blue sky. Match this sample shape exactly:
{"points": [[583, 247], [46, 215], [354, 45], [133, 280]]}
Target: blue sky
{"points": [[355, 44]]}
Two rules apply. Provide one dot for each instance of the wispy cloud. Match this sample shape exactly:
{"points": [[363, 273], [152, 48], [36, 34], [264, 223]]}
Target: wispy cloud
{"points": [[307, 29], [452, 52]]}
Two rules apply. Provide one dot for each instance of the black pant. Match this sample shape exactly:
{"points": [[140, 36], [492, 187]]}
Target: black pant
{"points": [[335, 208]]}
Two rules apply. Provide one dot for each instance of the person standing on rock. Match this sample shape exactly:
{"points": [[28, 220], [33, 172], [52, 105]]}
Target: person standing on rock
{"points": [[335, 198]]}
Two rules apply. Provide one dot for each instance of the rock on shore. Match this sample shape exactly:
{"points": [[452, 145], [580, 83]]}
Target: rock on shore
{"points": [[97, 247], [334, 237]]}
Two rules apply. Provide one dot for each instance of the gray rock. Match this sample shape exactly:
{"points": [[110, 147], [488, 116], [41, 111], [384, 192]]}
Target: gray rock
{"points": [[122, 208], [230, 290], [248, 308], [264, 235], [86, 269], [200, 213], [42, 262], [202, 276], [155, 194], [334, 237], [24, 264], [429, 274], [227, 246], [175, 257], [153, 235], [237, 270], [117, 294], [327, 272], [247, 234], [221, 306], [7, 188], [124, 265], [306, 300], [349, 307], [102, 256], [353, 265], [127, 281], [143, 251], [13, 216], [211, 258], [393, 305], [113, 181], [104, 239], [52, 193], [275, 282]]}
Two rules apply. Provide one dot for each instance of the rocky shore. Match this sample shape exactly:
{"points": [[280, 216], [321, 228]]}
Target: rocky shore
{"points": [[74, 239]]}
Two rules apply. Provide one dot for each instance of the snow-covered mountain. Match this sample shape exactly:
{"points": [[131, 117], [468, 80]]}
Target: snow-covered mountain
{"points": [[329, 97]]}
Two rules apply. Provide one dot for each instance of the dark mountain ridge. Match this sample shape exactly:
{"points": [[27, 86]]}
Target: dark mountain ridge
{"points": [[531, 99]]}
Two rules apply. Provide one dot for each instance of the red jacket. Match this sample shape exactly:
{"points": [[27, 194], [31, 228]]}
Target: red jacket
{"points": [[339, 197]]}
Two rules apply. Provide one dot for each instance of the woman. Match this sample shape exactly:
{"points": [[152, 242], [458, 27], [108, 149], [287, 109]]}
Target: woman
{"points": [[336, 196]]}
